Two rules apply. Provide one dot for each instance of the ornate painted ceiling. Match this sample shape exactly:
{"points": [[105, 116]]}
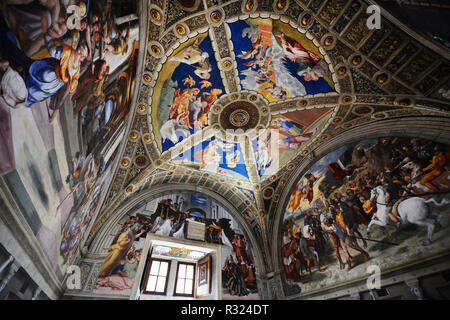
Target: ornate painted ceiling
{"points": [[232, 95]]}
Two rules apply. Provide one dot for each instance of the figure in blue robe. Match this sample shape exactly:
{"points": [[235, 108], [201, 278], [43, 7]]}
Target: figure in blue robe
{"points": [[39, 75]]}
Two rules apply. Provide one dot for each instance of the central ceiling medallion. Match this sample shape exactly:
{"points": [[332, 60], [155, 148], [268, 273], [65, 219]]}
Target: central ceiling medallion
{"points": [[239, 118], [242, 115], [239, 115]]}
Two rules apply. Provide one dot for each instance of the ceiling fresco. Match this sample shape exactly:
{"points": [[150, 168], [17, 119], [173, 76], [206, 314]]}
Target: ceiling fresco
{"points": [[198, 61], [236, 98], [277, 61]]}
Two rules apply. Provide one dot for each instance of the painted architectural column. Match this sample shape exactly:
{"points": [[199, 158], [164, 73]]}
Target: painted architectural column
{"points": [[36, 293], [274, 286], [6, 263], [414, 285], [11, 272]]}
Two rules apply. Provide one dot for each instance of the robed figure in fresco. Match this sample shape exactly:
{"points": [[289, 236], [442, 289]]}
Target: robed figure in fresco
{"points": [[310, 65], [233, 279], [43, 78], [120, 248]]}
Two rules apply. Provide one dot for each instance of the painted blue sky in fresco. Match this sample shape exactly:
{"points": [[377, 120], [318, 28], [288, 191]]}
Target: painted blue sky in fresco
{"points": [[244, 44], [231, 159]]}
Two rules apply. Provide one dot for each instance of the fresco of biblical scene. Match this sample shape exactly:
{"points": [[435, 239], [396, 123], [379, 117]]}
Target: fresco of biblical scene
{"points": [[238, 271], [177, 215], [66, 90], [187, 86], [285, 136], [377, 202], [278, 61], [216, 156]]}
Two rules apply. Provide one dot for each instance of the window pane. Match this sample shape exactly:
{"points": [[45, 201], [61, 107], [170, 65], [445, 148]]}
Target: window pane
{"points": [[163, 269], [188, 287], [151, 283], [181, 270], [189, 272], [180, 286], [161, 284], [155, 268]]}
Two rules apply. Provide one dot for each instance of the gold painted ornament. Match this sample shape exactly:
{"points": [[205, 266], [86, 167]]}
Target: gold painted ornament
{"points": [[226, 64], [249, 5], [156, 50], [147, 139], [155, 15], [328, 41], [133, 135], [356, 60], [341, 70], [306, 19], [181, 30], [281, 4], [125, 162], [147, 78], [215, 16], [382, 78]]}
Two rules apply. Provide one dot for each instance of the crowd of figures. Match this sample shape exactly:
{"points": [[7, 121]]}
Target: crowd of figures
{"points": [[238, 273], [169, 220], [392, 182], [59, 54], [119, 268], [47, 57]]}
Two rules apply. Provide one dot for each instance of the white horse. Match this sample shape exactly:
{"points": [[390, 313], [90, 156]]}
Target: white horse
{"points": [[414, 167], [413, 210]]}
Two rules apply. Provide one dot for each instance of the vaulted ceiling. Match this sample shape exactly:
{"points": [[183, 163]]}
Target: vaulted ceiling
{"points": [[368, 76]]}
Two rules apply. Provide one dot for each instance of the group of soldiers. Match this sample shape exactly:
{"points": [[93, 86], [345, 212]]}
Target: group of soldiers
{"points": [[337, 218]]}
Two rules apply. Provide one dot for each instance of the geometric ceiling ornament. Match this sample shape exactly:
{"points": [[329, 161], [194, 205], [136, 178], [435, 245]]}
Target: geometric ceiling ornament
{"points": [[237, 116]]}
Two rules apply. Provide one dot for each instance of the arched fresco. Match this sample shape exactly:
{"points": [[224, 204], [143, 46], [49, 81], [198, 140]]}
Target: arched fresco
{"points": [[170, 216], [379, 202], [68, 72]]}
